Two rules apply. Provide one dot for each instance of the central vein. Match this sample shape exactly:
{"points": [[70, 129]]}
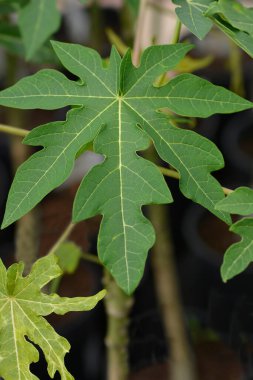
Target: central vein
{"points": [[121, 189]]}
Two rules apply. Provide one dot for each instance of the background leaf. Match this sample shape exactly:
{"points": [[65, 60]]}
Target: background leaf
{"points": [[37, 21], [238, 256], [239, 202], [239, 16], [22, 306], [191, 14], [69, 255], [241, 38]]}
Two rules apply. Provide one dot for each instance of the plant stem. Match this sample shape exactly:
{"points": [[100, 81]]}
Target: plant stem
{"points": [[13, 130], [91, 258], [181, 363], [174, 174], [62, 238], [118, 306], [138, 34], [176, 35]]}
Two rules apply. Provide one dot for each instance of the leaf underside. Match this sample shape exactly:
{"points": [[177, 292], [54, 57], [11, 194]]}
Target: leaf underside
{"points": [[22, 306], [117, 107]]}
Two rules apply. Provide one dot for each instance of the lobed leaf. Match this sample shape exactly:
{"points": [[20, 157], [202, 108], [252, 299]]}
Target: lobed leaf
{"points": [[117, 107], [240, 201], [238, 256], [22, 306]]}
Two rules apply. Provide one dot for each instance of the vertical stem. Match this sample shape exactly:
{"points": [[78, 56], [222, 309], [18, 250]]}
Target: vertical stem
{"points": [[138, 34], [236, 69], [181, 365], [177, 31], [118, 306]]}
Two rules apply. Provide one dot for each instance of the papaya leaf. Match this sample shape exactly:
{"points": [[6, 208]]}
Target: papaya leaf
{"points": [[37, 21], [117, 107], [239, 255], [69, 255], [241, 38], [236, 14], [23, 307], [191, 14], [238, 202]]}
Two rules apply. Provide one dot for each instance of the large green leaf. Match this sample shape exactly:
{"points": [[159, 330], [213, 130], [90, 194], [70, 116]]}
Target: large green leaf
{"points": [[239, 202], [22, 306], [239, 255], [191, 13], [118, 109], [37, 21]]}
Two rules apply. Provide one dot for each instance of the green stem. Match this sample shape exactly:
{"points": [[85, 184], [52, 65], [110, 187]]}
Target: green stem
{"points": [[62, 238], [91, 258], [118, 306], [177, 31], [13, 130]]}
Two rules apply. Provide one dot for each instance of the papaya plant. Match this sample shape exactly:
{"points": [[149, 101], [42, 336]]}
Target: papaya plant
{"points": [[120, 109]]}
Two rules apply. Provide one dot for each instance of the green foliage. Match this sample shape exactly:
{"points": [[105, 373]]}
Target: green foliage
{"points": [[239, 202], [69, 255], [239, 255], [236, 14], [118, 109], [191, 13], [12, 41], [23, 306], [218, 12], [230, 16], [37, 21]]}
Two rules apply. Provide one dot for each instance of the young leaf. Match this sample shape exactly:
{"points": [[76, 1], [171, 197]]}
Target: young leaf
{"points": [[69, 255], [238, 202], [239, 255], [37, 21], [191, 14], [118, 109], [23, 306]]}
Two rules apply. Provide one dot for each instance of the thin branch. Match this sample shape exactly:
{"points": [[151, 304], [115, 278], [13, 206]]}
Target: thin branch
{"points": [[62, 238], [174, 174], [177, 30], [13, 130], [91, 258]]}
